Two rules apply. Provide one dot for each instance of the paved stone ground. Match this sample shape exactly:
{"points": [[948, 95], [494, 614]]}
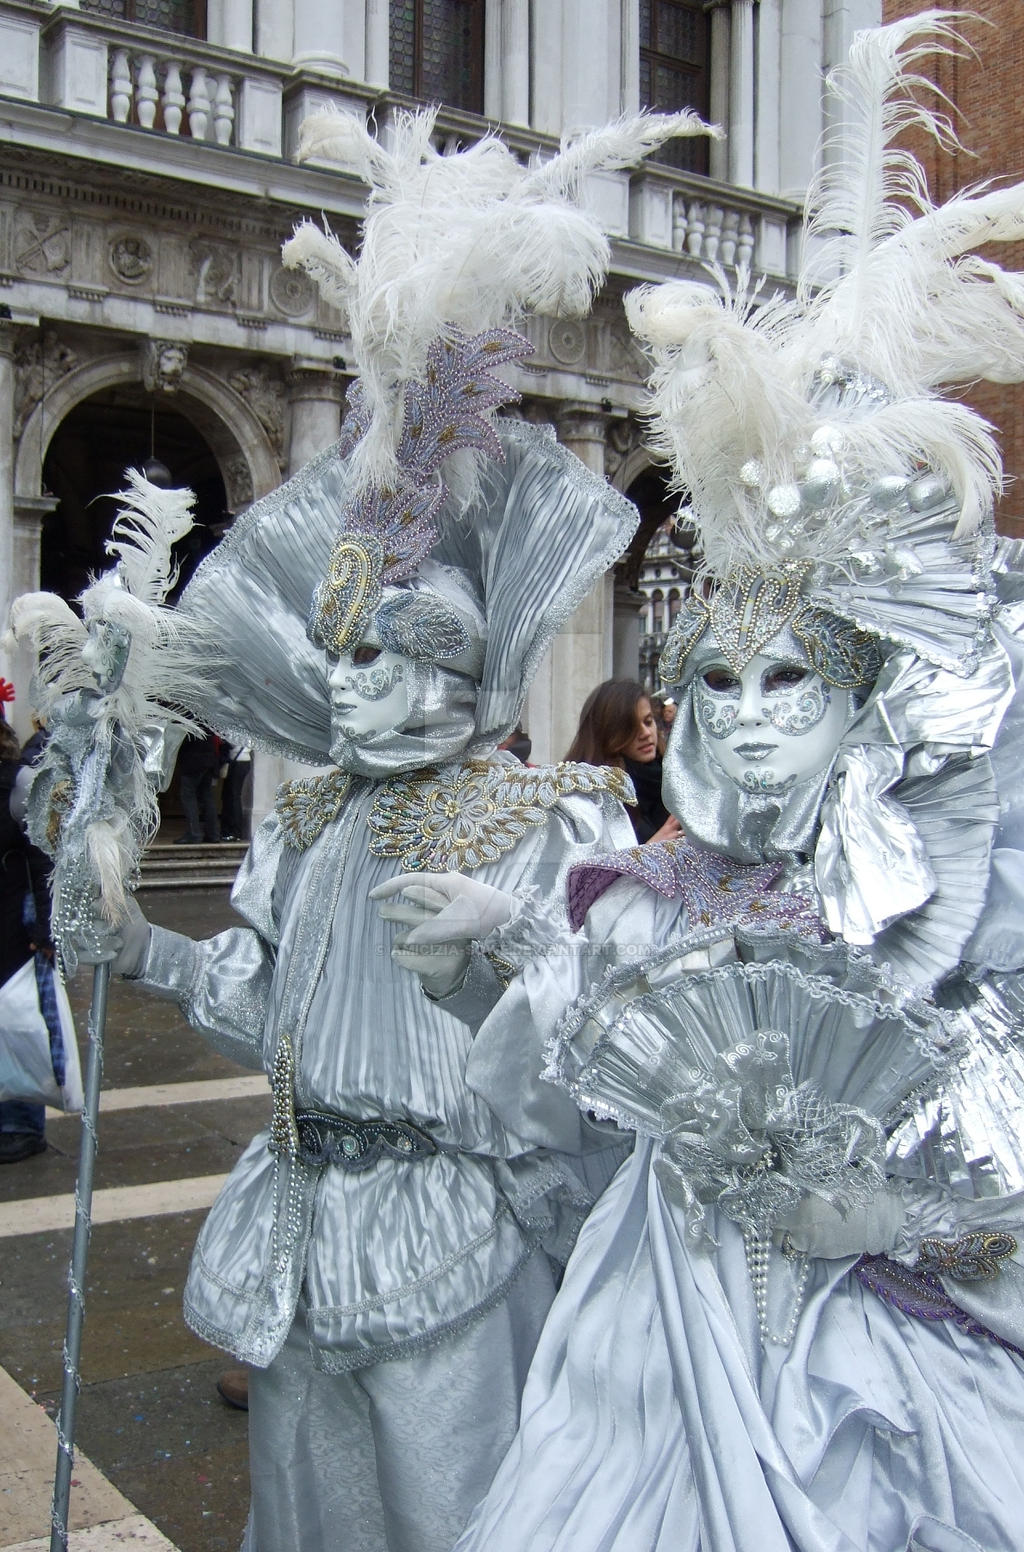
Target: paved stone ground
{"points": [[149, 1415]]}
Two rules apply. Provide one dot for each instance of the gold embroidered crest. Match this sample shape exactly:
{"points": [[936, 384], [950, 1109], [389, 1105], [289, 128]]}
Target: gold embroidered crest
{"points": [[436, 823], [306, 806]]}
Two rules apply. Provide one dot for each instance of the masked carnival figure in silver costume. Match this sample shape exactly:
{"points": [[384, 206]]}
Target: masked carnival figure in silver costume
{"points": [[795, 1319], [384, 1255]]}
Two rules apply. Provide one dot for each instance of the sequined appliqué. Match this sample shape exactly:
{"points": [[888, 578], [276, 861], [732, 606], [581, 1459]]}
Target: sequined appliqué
{"points": [[712, 888], [388, 532], [973, 1258], [437, 823], [306, 807]]}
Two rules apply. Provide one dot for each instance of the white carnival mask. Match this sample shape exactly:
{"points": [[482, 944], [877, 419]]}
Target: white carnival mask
{"points": [[770, 725], [369, 694]]}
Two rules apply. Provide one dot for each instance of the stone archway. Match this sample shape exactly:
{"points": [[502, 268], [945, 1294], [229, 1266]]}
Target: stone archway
{"points": [[237, 438]]}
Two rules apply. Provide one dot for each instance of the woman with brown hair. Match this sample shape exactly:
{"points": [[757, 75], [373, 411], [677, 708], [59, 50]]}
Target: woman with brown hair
{"points": [[618, 727]]}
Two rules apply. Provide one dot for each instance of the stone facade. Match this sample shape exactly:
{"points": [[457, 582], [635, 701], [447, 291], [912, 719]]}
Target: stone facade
{"points": [[984, 88], [147, 181]]}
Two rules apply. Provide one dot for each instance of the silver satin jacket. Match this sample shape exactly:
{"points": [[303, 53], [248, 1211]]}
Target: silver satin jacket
{"points": [[395, 1257]]}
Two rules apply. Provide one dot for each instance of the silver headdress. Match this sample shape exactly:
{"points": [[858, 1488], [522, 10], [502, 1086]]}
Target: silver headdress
{"points": [[455, 250], [843, 505]]}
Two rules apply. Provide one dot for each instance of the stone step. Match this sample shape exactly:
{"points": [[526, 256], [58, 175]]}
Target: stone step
{"points": [[168, 866]]}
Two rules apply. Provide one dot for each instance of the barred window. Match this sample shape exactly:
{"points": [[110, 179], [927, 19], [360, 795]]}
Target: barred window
{"points": [[675, 71], [187, 17], [437, 51]]}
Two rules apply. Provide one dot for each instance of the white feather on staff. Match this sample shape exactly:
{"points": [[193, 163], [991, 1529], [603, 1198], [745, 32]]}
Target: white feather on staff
{"points": [[104, 682]]}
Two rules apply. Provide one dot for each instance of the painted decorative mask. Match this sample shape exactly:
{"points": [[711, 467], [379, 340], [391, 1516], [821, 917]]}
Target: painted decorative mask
{"points": [[771, 724], [369, 693]]}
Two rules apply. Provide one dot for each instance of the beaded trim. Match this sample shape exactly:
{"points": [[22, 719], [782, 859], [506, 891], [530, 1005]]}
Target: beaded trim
{"points": [[973, 1258], [388, 532], [435, 822], [714, 889], [307, 806], [284, 1133], [920, 1294], [747, 611]]}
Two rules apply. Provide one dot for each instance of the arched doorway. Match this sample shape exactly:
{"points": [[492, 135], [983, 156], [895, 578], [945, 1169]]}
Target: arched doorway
{"points": [[116, 428]]}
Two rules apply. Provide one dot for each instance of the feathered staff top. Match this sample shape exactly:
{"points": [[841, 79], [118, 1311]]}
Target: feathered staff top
{"points": [[110, 685]]}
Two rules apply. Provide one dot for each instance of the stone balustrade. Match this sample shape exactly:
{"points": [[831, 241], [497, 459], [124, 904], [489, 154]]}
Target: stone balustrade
{"points": [[197, 92], [171, 94]]}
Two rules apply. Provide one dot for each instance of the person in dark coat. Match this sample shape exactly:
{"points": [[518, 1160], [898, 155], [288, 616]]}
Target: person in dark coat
{"points": [[197, 771], [24, 872]]}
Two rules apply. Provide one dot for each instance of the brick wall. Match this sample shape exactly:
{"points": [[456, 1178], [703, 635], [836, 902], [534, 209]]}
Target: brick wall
{"points": [[986, 91]]}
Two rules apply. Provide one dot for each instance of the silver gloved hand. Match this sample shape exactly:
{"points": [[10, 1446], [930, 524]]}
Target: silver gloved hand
{"points": [[124, 946], [446, 912], [817, 1228]]}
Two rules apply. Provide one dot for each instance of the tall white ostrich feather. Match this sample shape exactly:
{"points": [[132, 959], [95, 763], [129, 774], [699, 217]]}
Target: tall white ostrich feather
{"points": [[468, 241], [892, 287]]}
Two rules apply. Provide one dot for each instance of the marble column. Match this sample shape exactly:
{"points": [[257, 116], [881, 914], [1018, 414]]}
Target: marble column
{"points": [[378, 42], [29, 512], [741, 95], [316, 392], [546, 67], [627, 603], [507, 61], [318, 39], [230, 23], [721, 71], [768, 97], [581, 655], [800, 54]]}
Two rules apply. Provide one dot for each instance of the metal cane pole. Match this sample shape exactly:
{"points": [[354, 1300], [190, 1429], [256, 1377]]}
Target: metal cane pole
{"points": [[79, 1256]]}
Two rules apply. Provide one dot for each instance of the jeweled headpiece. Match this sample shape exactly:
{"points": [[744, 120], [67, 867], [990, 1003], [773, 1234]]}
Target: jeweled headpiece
{"points": [[810, 435], [467, 543], [747, 611]]}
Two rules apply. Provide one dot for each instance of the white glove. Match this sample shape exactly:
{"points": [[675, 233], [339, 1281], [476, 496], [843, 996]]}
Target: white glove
{"points": [[123, 947], [817, 1228], [447, 912]]}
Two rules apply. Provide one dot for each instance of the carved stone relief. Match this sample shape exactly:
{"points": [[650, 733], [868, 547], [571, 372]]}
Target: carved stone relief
{"points": [[291, 292], [237, 482], [567, 341], [131, 258], [625, 358], [217, 269], [42, 243], [621, 437], [163, 365], [264, 393], [39, 365]]}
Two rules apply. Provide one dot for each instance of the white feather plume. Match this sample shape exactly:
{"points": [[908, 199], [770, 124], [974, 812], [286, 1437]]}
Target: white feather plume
{"points": [[891, 286], [469, 241]]}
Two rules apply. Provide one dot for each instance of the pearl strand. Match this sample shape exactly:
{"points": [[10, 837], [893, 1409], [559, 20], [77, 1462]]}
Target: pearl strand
{"points": [[758, 1248]]}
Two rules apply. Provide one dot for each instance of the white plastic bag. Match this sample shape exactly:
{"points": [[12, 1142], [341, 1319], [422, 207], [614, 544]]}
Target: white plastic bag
{"points": [[26, 1067]]}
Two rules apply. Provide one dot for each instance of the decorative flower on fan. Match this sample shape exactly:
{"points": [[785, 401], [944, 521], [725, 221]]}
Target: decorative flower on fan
{"points": [[746, 1138]]}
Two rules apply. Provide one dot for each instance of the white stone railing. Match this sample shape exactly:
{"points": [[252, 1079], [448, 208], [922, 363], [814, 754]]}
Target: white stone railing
{"points": [[171, 94], [714, 223], [136, 75], [198, 92]]}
